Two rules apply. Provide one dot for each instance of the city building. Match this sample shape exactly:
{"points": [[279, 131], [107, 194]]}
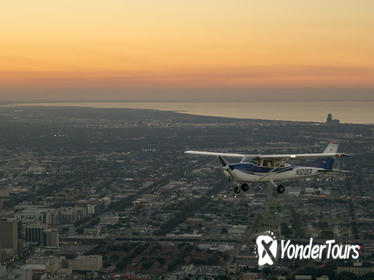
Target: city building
{"points": [[330, 120], [357, 270], [51, 238], [88, 263], [34, 233], [8, 238]]}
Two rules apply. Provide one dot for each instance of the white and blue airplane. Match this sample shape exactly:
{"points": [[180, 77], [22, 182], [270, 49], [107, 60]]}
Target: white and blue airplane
{"points": [[270, 168]]}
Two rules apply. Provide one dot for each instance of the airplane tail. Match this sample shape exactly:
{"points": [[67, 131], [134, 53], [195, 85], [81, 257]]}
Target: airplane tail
{"points": [[325, 163], [331, 148], [328, 162]]}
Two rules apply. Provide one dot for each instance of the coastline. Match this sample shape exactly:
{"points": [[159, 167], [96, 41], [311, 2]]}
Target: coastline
{"points": [[348, 112]]}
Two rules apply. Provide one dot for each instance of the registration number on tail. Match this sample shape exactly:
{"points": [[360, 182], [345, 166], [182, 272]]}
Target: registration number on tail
{"points": [[304, 171]]}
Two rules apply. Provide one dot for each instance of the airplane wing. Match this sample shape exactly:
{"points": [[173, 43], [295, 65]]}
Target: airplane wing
{"points": [[275, 156], [215, 154], [293, 156]]}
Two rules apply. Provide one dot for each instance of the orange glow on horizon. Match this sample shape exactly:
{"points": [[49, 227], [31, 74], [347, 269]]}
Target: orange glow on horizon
{"points": [[185, 44]]}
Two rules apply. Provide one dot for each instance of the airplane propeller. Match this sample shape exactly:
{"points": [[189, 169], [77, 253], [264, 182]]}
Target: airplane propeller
{"points": [[222, 161], [225, 164]]}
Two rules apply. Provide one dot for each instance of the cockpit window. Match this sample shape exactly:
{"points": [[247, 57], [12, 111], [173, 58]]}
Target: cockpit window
{"points": [[282, 164], [272, 163], [268, 163]]}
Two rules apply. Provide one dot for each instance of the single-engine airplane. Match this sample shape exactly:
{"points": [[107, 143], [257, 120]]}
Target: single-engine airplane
{"points": [[270, 168]]}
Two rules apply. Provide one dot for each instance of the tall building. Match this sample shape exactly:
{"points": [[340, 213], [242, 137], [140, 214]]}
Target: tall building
{"points": [[330, 120], [34, 233], [8, 238], [51, 238]]}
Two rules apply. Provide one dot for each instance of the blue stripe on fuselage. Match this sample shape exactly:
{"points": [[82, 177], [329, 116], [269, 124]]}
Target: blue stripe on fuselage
{"points": [[251, 168]]}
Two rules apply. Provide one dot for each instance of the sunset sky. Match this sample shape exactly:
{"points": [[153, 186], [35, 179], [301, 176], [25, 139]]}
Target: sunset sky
{"points": [[173, 50]]}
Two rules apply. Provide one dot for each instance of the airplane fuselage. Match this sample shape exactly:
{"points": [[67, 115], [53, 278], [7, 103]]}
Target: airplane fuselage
{"points": [[249, 172], [256, 168]]}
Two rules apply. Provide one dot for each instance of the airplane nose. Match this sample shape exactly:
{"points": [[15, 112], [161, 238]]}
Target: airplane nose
{"points": [[228, 167]]}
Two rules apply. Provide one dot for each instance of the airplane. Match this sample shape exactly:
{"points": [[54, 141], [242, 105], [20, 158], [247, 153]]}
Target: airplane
{"points": [[270, 168]]}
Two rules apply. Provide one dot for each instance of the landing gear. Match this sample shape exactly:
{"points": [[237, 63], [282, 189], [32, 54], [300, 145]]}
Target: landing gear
{"points": [[280, 189], [244, 187]]}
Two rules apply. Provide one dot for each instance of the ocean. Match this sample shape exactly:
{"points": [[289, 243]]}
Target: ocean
{"points": [[346, 112]]}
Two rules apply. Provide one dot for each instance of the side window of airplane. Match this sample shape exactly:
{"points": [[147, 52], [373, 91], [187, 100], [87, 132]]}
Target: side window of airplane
{"points": [[268, 163], [272, 164]]}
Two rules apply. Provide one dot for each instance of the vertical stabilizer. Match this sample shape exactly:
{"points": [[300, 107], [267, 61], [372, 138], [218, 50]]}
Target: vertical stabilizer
{"points": [[331, 148], [328, 162]]}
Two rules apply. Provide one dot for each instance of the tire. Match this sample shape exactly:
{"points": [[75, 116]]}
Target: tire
{"points": [[245, 187], [237, 190], [280, 189]]}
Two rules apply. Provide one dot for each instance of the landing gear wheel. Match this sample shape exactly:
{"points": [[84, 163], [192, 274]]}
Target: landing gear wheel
{"points": [[280, 189], [237, 190], [245, 187]]}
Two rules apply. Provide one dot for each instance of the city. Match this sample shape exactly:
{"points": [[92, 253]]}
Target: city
{"points": [[90, 193]]}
